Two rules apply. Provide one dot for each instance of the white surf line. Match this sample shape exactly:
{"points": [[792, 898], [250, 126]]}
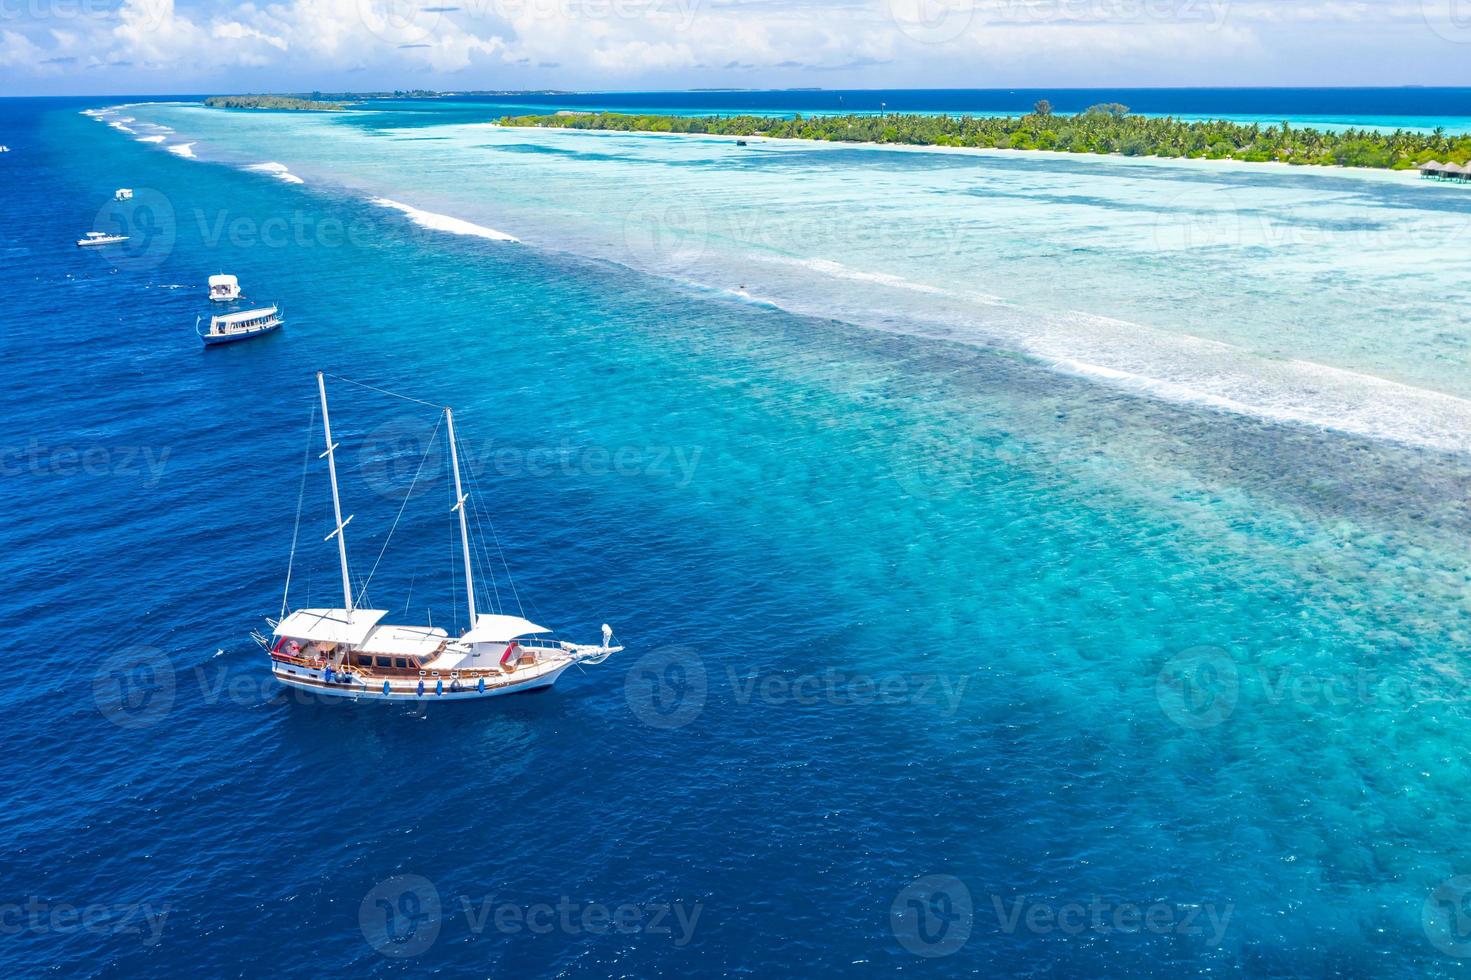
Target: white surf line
{"points": [[182, 149], [277, 170], [444, 222]]}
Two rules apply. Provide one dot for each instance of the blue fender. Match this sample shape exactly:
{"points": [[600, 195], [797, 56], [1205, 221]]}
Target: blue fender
{"points": [[421, 689], [439, 687], [385, 689], [481, 686]]}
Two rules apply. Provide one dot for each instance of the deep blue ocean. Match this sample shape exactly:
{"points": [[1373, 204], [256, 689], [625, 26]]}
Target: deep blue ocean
{"points": [[941, 660]]}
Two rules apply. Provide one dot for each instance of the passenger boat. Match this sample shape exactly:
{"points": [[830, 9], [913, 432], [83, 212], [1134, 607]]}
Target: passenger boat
{"points": [[350, 652], [100, 238], [223, 288], [241, 325]]}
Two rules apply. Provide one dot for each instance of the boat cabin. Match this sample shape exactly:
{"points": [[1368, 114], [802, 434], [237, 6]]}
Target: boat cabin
{"points": [[337, 638], [243, 322], [223, 288]]}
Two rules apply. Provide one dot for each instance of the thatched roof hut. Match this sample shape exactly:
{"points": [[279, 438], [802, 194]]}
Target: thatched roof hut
{"points": [[1431, 167]]}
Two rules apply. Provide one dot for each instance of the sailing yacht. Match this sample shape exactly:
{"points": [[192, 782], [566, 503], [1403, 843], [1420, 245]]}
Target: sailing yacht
{"points": [[350, 652]]}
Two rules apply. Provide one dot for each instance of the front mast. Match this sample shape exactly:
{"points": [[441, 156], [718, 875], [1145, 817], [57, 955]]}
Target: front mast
{"points": [[331, 455], [460, 497]]}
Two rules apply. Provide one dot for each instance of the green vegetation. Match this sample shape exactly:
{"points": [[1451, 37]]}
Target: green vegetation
{"points": [[270, 102], [1108, 128]]}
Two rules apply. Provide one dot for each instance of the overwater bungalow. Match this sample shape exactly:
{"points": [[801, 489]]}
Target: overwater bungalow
{"points": [[1445, 171]]}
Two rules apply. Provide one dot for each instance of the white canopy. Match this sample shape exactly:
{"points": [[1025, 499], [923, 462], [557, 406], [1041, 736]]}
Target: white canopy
{"points": [[330, 625], [500, 629], [243, 315], [404, 641], [223, 280]]}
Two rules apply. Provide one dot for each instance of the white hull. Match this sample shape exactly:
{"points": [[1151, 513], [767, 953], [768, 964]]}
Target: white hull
{"points": [[407, 689]]}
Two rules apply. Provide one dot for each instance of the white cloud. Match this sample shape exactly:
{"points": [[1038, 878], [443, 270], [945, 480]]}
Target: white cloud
{"points": [[674, 43]]}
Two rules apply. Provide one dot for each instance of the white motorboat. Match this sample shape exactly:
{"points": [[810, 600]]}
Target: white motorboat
{"points": [[223, 288], [100, 238], [122, 194], [350, 652]]}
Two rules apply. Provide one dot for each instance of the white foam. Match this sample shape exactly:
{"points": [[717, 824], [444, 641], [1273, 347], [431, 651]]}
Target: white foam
{"points": [[1162, 364], [1193, 370], [121, 128], [277, 170], [182, 149], [839, 271], [151, 139], [444, 222]]}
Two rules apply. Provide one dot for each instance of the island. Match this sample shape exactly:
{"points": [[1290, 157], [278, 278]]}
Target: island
{"points": [[1108, 128], [286, 102]]}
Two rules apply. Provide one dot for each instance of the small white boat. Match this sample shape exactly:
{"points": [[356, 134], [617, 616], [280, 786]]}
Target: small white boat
{"points": [[100, 238], [241, 325], [4, 149], [224, 289], [349, 652], [123, 194]]}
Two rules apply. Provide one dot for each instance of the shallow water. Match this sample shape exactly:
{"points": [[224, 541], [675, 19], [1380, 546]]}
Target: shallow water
{"points": [[902, 599]]}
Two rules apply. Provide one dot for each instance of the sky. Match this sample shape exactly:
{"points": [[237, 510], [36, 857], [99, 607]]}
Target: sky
{"points": [[143, 47]]}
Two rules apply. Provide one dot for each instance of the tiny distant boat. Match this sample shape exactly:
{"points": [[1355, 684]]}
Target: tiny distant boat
{"points": [[242, 325], [740, 142], [4, 149], [224, 289], [123, 194], [349, 652], [100, 238]]}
